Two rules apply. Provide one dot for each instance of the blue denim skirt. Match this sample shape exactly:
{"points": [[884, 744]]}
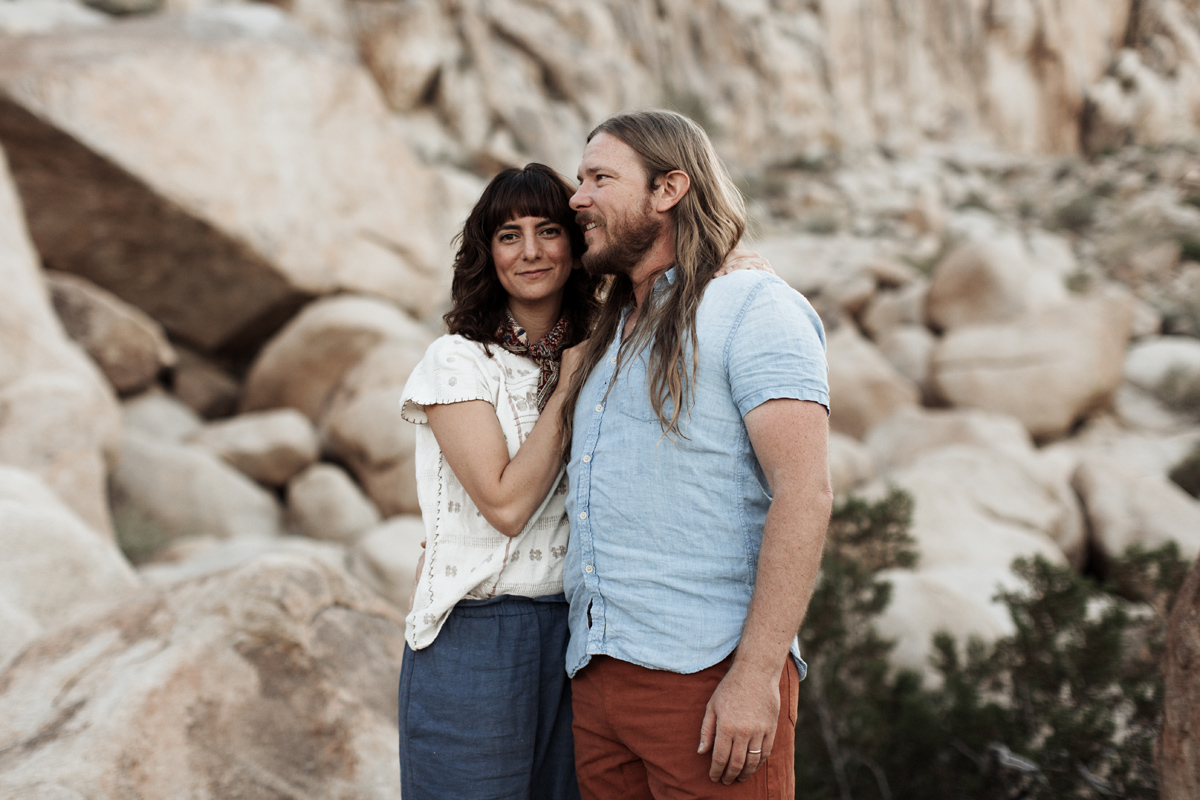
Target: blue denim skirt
{"points": [[485, 711]]}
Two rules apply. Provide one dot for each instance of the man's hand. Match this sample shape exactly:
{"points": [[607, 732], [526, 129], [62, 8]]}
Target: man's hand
{"points": [[739, 725], [743, 259]]}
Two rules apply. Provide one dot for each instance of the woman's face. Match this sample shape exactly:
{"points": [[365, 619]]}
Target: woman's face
{"points": [[533, 259]]}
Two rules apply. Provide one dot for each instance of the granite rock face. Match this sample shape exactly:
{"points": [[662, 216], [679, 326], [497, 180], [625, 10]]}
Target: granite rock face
{"points": [[58, 415], [275, 678], [193, 210]]}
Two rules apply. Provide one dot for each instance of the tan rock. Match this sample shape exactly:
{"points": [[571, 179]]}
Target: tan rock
{"points": [[160, 415], [1178, 756], [282, 176], [58, 415], [957, 600], [191, 558], [980, 506], [129, 346], [363, 427], [989, 280], [1125, 508], [163, 491], [52, 566], [405, 47], [205, 386], [42, 16], [1072, 354], [890, 309], [386, 558], [864, 388], [278, 676], [913, 432], [850, 463], [1169, 368], [302, 366], [909, 348], [19, 630], [325, 503], [269, 446]]}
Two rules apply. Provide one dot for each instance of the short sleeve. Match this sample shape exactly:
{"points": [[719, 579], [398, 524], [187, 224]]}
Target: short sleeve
{"points": [[776, 349], [454, 370]]}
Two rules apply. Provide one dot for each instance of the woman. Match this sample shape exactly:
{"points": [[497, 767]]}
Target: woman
{"points": [[485, 706]]}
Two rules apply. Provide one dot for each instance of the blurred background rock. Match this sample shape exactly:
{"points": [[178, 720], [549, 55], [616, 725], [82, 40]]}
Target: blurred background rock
{"points": [[225, 239]]}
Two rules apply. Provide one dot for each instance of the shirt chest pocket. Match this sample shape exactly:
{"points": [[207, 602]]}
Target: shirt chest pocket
{"points": [[630, 396]]}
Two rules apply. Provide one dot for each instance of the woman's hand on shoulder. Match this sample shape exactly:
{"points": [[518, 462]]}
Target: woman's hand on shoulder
{"points": [[743, 259], [572, 360]]}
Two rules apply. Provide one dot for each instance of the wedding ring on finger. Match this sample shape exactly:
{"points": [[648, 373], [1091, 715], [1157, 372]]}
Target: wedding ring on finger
{"points": [[754, 752]]}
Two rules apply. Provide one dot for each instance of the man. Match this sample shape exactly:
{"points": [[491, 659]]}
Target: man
{"points": [[699, 487]]}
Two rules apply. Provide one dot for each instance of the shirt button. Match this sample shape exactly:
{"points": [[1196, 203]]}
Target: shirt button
{"points": [[589, 569], [583, 515], [612, 360], [587, 459], [599, 408]]}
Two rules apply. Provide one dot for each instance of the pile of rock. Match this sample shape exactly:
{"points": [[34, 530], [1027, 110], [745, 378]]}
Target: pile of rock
{"points": [[225, 233]]}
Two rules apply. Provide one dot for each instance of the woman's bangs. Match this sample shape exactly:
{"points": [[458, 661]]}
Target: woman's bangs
{"points": [[530, 195]]}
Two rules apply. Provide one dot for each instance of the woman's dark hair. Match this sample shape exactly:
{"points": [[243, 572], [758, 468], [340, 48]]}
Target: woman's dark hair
{"points": [[477, 299]]}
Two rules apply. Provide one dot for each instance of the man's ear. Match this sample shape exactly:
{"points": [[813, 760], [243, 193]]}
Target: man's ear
{"points": [[671, 189]]}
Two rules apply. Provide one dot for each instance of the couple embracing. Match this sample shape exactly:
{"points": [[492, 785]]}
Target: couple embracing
{"points": [[621, 465]]}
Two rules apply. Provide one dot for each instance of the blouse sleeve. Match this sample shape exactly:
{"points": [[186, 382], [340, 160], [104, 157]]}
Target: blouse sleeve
{"points": [[454, 370]]}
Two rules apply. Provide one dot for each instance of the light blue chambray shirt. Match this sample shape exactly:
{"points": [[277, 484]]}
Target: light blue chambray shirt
{"points": [[665, 533]]}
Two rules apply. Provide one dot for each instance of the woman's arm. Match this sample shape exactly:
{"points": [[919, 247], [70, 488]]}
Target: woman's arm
{"points": [[506, 492]]}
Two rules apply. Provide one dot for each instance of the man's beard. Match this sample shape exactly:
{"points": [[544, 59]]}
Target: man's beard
{"points": [[626, 242]]}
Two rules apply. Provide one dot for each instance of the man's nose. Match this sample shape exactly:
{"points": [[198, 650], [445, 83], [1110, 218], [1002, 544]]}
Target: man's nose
{"points": [[578, 200]]}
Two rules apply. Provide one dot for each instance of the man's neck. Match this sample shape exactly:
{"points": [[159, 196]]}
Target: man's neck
{"points": [[659, 259]]}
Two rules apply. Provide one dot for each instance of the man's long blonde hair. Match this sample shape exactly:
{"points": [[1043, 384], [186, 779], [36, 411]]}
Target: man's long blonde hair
{"points": [[708, 222]]}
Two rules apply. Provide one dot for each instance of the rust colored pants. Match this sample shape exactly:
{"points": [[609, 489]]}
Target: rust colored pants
{"points": [[636, 732]]}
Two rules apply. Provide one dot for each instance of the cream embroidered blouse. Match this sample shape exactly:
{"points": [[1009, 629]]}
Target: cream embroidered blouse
{"points": [[465, 557]]}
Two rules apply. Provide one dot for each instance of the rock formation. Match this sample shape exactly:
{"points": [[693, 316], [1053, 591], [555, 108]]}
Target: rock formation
{"points": [[237, 217]]}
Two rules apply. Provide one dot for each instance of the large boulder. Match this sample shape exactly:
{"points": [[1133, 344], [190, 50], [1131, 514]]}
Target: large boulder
{"points": [[204, 385], [864, 389], [269, 446], [1047, 369], [58, 415], [912, 432], [279, 176], [363, 427], [52, 565], [386, 558], [163, 491], [850, 463], [325, 503], [160, 415], [989, 280], [1178, 758], [191, 558], [1169, 368], [955, 600], [127, 344], [304, 364], [274, 679], [980, 506], [1125, 508]]}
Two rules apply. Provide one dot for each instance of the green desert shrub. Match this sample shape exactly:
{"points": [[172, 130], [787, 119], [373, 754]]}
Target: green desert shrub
{"points": [[1069, 706]]}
